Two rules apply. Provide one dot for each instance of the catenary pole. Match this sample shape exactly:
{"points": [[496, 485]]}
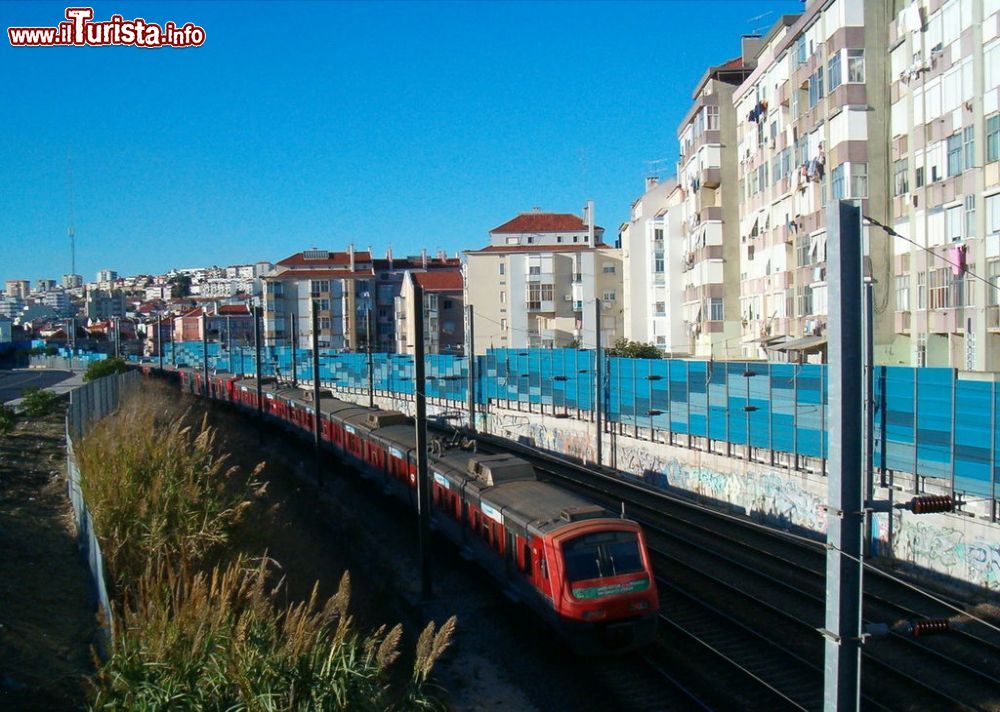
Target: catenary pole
{"points": [[842, 669], [423, 492], [470, 356], [598, 381], [257, 369], [295, 346], [316, 411], [204, 351], [371, 365]]}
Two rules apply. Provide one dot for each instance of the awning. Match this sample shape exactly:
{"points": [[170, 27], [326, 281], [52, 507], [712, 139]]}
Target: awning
{"points": [[808, 343]]}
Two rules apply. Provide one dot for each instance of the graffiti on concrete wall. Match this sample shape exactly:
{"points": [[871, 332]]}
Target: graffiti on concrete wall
{"points": [[948, 551], [765, 495]]}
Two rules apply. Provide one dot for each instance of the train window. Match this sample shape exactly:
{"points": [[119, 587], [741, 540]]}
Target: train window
{"points": [[527, 558], [602, 554]]}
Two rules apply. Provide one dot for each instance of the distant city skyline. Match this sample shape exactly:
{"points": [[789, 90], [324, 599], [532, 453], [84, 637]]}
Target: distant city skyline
{"points": [[415, 125]]}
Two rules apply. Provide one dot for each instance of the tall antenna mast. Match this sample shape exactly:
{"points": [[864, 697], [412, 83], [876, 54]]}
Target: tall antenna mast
{"points": [[72, 211]]}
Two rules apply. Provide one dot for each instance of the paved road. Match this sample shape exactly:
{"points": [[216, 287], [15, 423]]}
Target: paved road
{"points": [[13, 383]]}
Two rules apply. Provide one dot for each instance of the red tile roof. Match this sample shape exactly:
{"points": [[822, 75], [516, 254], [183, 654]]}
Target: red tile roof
{"points": [[539, 248], [439, 281], [331, 259], [238, 309], [544, 222]]}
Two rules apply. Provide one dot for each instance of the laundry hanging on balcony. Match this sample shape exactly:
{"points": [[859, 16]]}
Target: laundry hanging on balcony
{"points": [[957, 256], [757, 111]]}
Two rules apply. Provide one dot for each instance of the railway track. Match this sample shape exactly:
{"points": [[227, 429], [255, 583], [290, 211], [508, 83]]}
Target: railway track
{"points": [[787, 576]]}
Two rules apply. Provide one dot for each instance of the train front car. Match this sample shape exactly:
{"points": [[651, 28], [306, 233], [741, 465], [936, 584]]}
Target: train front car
{"points": [[603, 586]]}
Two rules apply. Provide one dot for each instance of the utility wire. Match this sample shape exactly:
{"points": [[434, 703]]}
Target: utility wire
{"points": [[956, 265]]}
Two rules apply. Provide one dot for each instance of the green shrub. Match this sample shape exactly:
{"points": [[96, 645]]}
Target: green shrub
{"points": [[107, 367], [38, 403], [7, 419], [634, 349]]}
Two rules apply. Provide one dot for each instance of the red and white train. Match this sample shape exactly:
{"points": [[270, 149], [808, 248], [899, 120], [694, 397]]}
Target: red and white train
{"points": [[577, 565]]}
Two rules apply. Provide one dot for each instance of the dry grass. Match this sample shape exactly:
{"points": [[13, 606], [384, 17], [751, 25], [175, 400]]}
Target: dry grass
{"points": [[157, 488], [200, 628]]}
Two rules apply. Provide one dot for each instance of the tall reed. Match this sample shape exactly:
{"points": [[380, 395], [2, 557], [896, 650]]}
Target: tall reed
{"points": [[199, 627]]}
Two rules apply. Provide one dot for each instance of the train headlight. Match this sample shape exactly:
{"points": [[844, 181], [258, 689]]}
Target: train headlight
{"points": [[595, 614]]}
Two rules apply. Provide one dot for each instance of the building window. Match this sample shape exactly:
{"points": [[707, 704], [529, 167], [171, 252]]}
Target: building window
{"points": [[534, 269], [503, 297], [856, 66], [503, 269], [503, 327], [993, 214], [954, 154], [970, 216], [962, 288], [711, 118], [921, 350], [658, 235], [901, 182], [513, 241], [993, 274], [903, 292], [806, 301], [609, 295], [713, 307], [448, 304], [859, 180], [969, 146], [608, 268], [318, 287], [837, 182], [940, 292], [833, 69], [275, 288], [324, 323], [993, 138], [802, 251], [800, 50], [953, 223], [921, 290], [919, 177], [815, 87], [658, 261], [661, 309]]}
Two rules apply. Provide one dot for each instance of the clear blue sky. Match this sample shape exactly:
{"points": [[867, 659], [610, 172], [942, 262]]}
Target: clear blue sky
{"points": [[319, 124]]}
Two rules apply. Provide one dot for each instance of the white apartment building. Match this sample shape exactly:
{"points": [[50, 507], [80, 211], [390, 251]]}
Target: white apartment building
{"points": [[945, 180], [708, 180], [652, 245], [812, 122], [340, 283], [536, 283], [106, 276], [444, 323]]}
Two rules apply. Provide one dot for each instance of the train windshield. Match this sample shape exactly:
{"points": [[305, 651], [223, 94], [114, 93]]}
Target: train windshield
{"points": [[601, 555]]}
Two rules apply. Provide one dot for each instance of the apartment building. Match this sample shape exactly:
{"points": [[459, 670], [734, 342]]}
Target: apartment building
{"points": [[812, 126], [17, 288], [106, 276], [945, 152], [709, 230], [103, 304], [340, 284], [390, 273], [652, 245], [72, 281], [535, 283], [444, 318]]}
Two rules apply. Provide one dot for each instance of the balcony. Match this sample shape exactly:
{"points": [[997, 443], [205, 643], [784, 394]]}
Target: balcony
{"points": [[993, 318], [711, 177], [903, 322]]}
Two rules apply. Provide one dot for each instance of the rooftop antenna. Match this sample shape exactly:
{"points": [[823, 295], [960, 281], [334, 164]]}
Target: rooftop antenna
{"points": [[757, 30], [71, 231], [658, 168]]}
